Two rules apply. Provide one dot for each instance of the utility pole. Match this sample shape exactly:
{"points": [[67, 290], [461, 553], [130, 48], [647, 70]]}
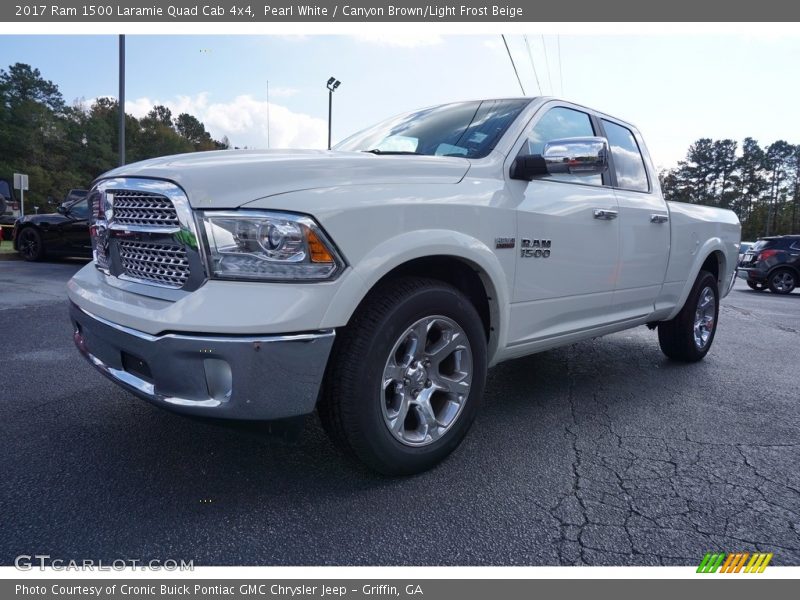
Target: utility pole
{"points": [[333, 83], [121, 100]]}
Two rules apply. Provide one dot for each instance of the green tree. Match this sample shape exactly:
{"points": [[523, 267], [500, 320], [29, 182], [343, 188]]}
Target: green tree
{"points": [[62, 147]]}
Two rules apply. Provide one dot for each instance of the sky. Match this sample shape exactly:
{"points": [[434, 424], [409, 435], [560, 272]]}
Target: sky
{"points": [[674, 88]]}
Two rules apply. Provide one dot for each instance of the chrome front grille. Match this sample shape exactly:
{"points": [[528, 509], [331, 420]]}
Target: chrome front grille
{"points": [[143, 209], [144, 237], [160, 264]]}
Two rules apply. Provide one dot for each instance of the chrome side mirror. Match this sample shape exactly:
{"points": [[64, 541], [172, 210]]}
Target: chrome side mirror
{"points": [[581, 156], [576, 156]]}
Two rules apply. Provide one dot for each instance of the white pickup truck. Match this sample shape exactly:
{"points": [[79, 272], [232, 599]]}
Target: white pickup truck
{"points": [[378, 281]]}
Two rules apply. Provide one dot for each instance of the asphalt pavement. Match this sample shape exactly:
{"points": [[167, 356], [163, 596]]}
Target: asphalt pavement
{"points": [[600, 453]]}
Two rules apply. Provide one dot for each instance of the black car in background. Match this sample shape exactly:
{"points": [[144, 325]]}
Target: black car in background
{"points": [[65, 233], [774, 263]]}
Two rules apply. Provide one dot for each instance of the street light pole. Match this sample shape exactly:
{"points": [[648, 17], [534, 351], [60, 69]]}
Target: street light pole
{"points": [[333, 83], [121, 100], [330, 115]]}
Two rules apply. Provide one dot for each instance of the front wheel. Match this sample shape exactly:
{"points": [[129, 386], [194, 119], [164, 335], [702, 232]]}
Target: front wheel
{"points": [[689, 335], [782, 281], [406, 376]]}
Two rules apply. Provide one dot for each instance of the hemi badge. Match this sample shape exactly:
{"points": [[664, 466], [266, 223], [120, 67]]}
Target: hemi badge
{"points": [[504, 242]]}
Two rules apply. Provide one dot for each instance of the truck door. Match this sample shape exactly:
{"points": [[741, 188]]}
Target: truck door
{"points": [[569, 285], [75, 231], [643, 223]]}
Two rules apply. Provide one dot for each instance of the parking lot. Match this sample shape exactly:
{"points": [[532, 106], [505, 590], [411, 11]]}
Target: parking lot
{"points": [[599, 453]]}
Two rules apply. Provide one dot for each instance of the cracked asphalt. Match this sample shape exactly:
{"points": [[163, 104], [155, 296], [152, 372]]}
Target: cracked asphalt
{"points": [[601, 453]]}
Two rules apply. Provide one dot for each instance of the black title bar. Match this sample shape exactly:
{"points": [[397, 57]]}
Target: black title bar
{"points": [[282, 11]]}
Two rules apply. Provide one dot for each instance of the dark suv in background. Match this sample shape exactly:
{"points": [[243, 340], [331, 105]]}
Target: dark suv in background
{"points": [[774, 263]]}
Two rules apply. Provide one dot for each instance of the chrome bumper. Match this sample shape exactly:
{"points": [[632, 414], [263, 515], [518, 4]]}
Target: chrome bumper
{"points": [[234, 377]]}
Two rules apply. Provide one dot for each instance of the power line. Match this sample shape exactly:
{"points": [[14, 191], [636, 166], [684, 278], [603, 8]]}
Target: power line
{"points": [[511, 58], [560, 72], [533, 65], [547, 62]]}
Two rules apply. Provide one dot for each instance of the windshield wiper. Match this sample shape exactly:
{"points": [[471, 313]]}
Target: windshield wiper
{"points": [[378, 151]]}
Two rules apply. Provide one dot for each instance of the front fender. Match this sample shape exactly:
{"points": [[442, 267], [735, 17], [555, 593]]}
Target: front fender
{"points": [[412, 245]]}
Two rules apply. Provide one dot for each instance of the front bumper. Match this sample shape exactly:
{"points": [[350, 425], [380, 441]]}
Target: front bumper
{"points": [[233, 377]]}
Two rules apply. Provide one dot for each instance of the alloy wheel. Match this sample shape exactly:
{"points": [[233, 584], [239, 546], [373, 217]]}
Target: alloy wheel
{"points": [[426, 380], [704, 317], [783, 281], [28, 245]]}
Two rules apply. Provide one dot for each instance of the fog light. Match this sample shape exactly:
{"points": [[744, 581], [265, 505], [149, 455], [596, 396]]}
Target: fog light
{"points": [[219, 378]]}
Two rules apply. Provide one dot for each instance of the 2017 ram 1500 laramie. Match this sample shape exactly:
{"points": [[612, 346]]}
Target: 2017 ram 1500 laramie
{"points": [[378, 281]]}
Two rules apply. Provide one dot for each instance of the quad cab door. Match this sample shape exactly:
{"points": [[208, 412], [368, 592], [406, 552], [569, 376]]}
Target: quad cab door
{"points": [[644, 225], [567, 248]]}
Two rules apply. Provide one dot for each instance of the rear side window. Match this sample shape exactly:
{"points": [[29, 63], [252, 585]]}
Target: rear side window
{"points": [[628, 161], [762, 244], [795, 245]]}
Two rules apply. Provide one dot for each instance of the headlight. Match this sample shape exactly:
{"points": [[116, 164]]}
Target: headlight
{"points": [[268, 246]]}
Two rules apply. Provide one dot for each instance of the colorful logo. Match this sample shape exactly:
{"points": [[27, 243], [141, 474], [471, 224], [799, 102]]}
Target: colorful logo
{"points": [[734, 562]]}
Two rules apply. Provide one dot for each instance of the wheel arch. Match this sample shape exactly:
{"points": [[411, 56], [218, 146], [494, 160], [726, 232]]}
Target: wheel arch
{"points": [[710, 258], [451, 257], [787, 266]]}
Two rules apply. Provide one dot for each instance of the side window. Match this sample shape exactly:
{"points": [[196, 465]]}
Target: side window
{"points": [[80, 210], [558, 123], [628, 161]]}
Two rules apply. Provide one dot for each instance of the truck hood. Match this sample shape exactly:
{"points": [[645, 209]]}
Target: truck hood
{"points": [[231, 178]]}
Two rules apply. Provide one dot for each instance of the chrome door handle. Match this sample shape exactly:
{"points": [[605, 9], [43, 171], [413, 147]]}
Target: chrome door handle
{"points": [[605, 214], [659, 218]]}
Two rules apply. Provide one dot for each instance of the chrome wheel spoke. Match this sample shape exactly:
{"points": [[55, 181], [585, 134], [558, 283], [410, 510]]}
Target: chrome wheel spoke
{"points": [[449, 343], [704, 317], [418, 339], [397, 422], [393, 373], [427, 417]]}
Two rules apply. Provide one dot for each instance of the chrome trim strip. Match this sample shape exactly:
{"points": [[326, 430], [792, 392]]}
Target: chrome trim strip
{"points": [[113, 226], [296, 337]]}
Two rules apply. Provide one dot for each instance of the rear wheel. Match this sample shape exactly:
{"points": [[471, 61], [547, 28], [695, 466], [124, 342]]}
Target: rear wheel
{"points": [[756, 285], [688, 336], [406, 376], [29, 244], [782, 281]]}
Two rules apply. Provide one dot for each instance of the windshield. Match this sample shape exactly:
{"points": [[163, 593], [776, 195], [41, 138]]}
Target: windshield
{"points": [[468, 129]]}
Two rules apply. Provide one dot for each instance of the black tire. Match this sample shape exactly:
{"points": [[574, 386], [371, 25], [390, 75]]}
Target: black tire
{"points": [[353, 407], [756, 285], [29, 244], [677, 336], [782, 281]]}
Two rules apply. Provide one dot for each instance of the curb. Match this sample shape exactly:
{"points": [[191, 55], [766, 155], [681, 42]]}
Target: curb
{"points": [[10, 256]]}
